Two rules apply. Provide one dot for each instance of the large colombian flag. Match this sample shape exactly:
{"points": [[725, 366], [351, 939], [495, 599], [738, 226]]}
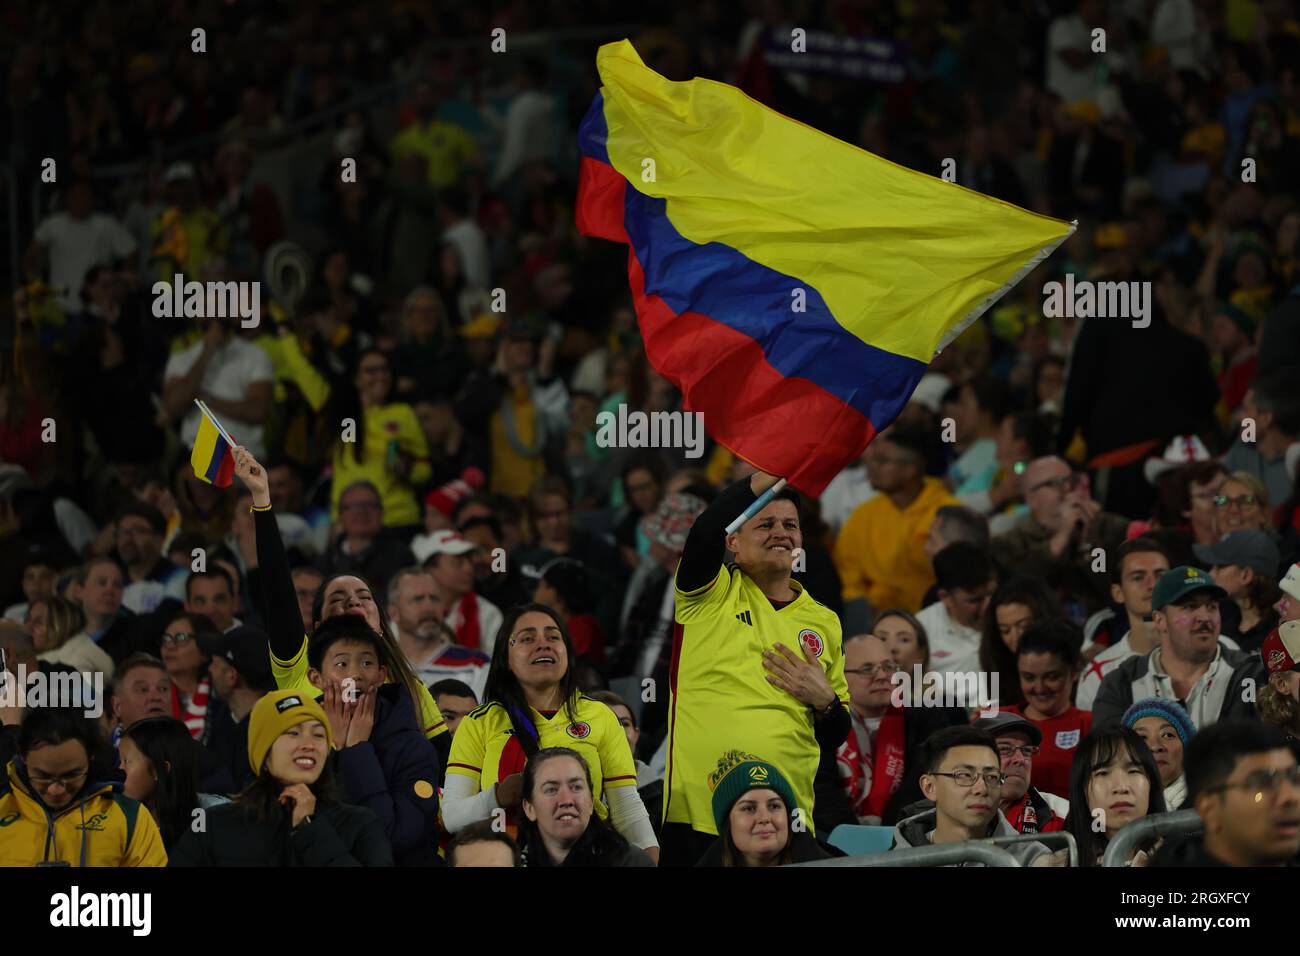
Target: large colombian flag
{"points": [[737, 216], [213, 459]]}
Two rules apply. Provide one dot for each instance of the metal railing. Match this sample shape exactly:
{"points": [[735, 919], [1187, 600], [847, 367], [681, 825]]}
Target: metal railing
{"points": [[1044, 838], [1178, 823], [945, 854]]}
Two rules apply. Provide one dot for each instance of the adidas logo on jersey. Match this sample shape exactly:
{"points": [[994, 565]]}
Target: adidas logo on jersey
{"points": [[744, 618]]}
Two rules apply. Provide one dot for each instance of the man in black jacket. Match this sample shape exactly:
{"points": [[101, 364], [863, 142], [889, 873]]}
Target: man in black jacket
{"points": [[1243, 779]]}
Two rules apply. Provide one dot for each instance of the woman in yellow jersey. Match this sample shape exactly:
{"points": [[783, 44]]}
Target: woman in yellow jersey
{"points": [[340, 594], [389, 450], [532, 703]]}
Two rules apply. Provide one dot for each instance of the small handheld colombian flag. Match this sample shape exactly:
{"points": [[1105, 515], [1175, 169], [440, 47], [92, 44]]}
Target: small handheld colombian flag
{"points": [[213, 458], [794, 287]]}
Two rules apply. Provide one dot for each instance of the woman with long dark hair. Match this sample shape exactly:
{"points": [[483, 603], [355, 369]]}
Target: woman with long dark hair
{"points": [[1113, 782], [339, 594], [562, 827], [1019, 603], [289, 815], [161, 762], [532, 702]]}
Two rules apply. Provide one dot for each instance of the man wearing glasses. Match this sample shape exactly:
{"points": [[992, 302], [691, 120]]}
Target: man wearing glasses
{"points": [[365, 547], [1243, 780], [1027, 809], [964, 780], [1056, 539]]}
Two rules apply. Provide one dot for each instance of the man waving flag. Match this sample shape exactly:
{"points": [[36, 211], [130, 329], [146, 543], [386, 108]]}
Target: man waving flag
{"points": [[792, 286]]}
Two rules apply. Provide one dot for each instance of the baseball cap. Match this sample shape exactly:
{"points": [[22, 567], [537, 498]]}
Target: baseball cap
{"points": [[1183, 450], [1177, 583], [1281, 649], [425, 546], [1246, 548], [1005, 722], [1290, 583], [245, 649]]}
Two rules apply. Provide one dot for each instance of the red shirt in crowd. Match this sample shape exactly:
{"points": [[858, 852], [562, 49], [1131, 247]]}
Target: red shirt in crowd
{"points": [[1061, 736]]}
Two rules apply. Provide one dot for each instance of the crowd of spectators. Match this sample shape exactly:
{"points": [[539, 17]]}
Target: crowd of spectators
{"points": [[434, 618]]}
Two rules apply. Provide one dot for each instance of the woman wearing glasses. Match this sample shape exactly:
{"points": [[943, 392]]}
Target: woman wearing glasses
{"points": [[532, 702], [52, 791], [187, 666], [1114, 781], [1242, 502]]}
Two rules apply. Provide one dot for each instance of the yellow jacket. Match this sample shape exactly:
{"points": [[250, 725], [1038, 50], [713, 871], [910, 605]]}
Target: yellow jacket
{"points": [[102, 827], [880, 552], [385, 423]]}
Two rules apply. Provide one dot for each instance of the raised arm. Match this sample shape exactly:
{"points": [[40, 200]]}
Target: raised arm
{"points": [[706, 544], [284, 623]]}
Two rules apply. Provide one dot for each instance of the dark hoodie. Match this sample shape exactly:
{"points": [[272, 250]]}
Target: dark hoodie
{"points": [[395, 774]]}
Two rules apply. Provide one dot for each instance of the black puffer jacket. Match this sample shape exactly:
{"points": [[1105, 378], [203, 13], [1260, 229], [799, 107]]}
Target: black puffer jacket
{"points": [[338, 835]]}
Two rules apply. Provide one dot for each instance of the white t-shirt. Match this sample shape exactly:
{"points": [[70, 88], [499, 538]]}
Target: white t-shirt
{"points": [[76, 245], [953, 647], [1098, 668], [234, 367], [845, 492]]}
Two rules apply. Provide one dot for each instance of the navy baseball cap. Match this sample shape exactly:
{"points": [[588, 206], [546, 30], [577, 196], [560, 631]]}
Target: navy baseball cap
{"points": [[1246, 548]]}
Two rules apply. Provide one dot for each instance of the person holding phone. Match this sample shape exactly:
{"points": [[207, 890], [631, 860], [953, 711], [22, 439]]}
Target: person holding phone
{"points": [[1058, 537]]}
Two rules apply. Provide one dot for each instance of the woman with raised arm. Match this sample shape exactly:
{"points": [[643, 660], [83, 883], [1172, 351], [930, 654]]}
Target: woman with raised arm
{"points": [[340, 594]]}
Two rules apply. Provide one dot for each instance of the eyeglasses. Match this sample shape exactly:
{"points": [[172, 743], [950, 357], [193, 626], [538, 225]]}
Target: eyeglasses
{"points": [[66, 780], [967, 778], [182, 637], [1028, 751], [1265, 783], [1059, 483], [869, 670], [1241, 501], [530, 638]]}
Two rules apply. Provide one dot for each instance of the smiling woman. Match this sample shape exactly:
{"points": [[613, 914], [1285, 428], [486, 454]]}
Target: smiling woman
{"points": [[532, 703], [288, 815]]}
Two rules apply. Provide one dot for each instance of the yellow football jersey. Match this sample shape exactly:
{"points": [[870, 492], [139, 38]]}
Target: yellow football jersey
{"points": [[721, 699], [292, 675], [485, 747]]}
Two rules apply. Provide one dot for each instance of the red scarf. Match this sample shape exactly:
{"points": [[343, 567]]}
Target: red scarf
{"points": [[870, 795], [467, 630], [196, 714]]}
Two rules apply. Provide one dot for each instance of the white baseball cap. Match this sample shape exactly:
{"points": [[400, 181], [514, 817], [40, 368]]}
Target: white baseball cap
{"points": [[1290, 583], [425, 546]]}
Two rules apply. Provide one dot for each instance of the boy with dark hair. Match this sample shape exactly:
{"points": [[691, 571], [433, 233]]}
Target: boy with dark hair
{"points": [[966, 580], [455, 699], [384, 762], [1244, 782]]}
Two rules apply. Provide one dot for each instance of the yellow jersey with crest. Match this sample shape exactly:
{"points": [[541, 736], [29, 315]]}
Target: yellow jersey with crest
{"points": [[486, 750], [721, 699]]}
